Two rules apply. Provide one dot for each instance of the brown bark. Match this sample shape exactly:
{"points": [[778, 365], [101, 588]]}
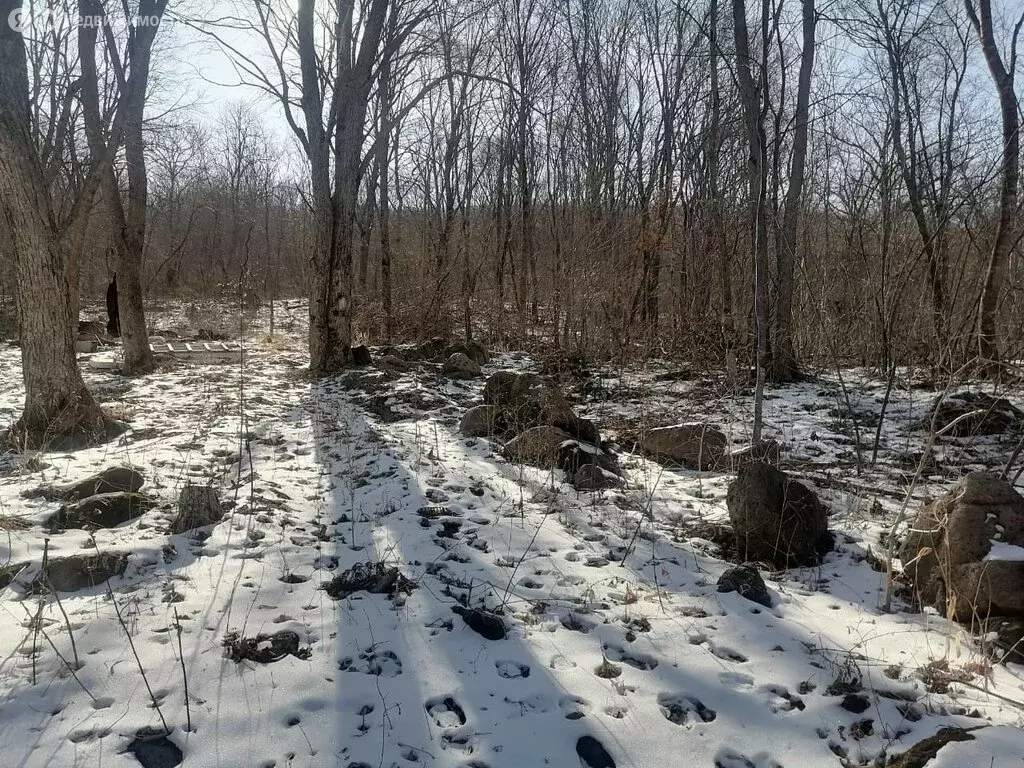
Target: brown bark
{"points": [[59, 411], [784, 366], [995, 270]]}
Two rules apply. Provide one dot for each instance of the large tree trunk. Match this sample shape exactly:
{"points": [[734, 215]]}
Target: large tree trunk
{"points": [[995, 271], [757, 177], [59, 411], [127, 223], [784, 365]]}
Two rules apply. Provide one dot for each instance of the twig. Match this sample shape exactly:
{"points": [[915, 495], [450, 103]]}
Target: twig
{"points": [[184, 674], [131, 643]]}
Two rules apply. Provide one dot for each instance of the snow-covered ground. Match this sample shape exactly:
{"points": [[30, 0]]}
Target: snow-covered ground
{"points": [[615, 629]]}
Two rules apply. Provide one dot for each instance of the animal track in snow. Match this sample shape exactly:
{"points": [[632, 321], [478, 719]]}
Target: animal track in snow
{"points": [[681, 709], [574, 707], [730, 758], [728, 654], [446, 712], [779, 699], [370, 662], [637, 660], [511, 670], [738, 681]]}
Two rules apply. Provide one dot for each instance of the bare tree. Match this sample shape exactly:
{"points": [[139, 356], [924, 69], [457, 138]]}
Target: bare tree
{"points": [[59, 411], [1002, 73]]}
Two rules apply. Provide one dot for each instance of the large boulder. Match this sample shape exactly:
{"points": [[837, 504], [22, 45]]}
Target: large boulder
{"points": [[537, 446], [957, 530], [591, 477], [105, 510], [746, 580], [694, 446], [460, 366], [973, 413], [110, 480], [776, 519], [480, 421], [474, 350], [525, 400]]}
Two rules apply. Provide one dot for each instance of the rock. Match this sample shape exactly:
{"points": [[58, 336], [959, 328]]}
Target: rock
{"points": [[105, 510], [474, 350], [575, 454], [974, 413], [431, 350], [856, 703], [153, 749], [198, 506], [767, 451], [361, 355], [537, 446], [70, 574], [694, 446], [593, 754], [1007, 634], [480, 421], [777, 519], [746, 580], [459, 366], [586, 430], [958, 529], [525, 400], [919, 755], [486, 624], [110, 480], [393, 362], [591, 477], [988, 588]]}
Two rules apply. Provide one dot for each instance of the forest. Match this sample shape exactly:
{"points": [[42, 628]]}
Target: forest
{"points": [[484, 383]]}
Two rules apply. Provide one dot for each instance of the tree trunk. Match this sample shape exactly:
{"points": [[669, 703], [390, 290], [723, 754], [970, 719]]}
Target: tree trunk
{"points": [[757, 170], [784, 365], [59, 411], [995, 270]]}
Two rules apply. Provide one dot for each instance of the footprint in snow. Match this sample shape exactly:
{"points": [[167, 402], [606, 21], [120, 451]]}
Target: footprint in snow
{"points": [[779, 699], [378, 663], [728, 654], [730, 758], [635, 659], [574, 707], [446, 712], [684, 710], [736, 680], [511, 670]]}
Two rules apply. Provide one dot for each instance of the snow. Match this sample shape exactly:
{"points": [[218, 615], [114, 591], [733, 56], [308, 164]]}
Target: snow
{"points": [[318, 481], [1002, 551]]}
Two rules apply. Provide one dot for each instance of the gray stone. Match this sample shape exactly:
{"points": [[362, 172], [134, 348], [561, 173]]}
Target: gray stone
{"points": [[590, 477], [694, 446], [767, 451], [777, 519], [537, 446], [109, 480], [746, 580], [70, 574], [474, 350], [958, 529], [973, 413], [459, 366], [105, 510], [525, 400], [480, 421]]}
